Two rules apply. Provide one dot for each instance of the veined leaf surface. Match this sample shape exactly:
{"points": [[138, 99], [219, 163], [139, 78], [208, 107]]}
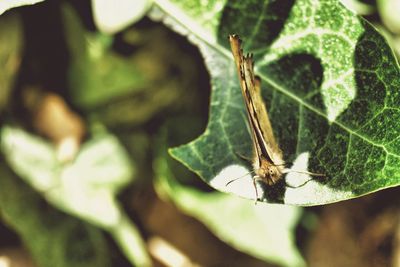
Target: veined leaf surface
{"points": [[331, 87]]}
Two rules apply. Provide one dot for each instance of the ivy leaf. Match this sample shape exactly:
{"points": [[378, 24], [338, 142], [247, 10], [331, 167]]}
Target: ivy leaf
{"points": [[331, 87], [97, 74], [52, 237], [86, 187]]}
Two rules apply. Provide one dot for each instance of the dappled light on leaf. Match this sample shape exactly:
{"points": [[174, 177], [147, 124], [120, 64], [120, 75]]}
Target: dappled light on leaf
{"points": [[320, 83], [235, 179]]}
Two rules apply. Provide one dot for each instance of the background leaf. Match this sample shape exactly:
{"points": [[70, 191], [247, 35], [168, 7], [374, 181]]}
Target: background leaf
{"points": [[111, 18], [389, 11], [330, 83], [86, 188], [8, 4], [124, 80], [52, 237], [264, 231], [97, 74]]}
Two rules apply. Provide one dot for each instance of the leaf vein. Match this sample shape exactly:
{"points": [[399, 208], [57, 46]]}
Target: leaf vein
{"points": [[301, 102]]}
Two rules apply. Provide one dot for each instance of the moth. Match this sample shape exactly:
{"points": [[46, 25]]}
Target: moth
{"points": [[268, 163]]}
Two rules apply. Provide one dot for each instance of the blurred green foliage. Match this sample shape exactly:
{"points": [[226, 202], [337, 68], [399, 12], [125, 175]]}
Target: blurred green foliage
{"points": [[10, 54], [122, 82], [264, 231], [54, 238]]}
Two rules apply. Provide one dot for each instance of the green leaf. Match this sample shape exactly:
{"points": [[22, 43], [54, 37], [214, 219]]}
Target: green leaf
{"points": [[113, 75], [97, 74], [52, 237], [331, 87], [263, 231], [8, 4], [85, 188], [111, 18], [389, 11]]}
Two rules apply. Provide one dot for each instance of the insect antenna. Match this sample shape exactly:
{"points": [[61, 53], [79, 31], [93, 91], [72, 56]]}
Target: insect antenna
{"points": [[235, 179]]}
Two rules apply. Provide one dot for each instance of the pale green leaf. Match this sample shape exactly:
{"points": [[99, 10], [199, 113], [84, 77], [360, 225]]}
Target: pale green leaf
{"points": [[52, 237], [8, 4], [85, 188], [111, 17], [389, 11], [97, 74]]}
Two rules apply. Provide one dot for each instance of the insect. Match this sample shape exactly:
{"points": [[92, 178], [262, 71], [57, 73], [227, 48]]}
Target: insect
{"points": [[268, 162]]}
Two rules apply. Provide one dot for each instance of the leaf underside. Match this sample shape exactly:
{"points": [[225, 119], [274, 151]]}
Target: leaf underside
{"points": [[331, 86]]}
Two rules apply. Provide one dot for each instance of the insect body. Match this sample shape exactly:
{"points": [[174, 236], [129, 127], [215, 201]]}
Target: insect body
{"points": [[268, 163]]}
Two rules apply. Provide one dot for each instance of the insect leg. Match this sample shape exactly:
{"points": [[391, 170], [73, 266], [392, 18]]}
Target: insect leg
{"points": [[255, 179]]}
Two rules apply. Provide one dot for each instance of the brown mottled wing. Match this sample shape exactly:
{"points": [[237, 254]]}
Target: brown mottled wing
{"points": [[264, 142]]}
